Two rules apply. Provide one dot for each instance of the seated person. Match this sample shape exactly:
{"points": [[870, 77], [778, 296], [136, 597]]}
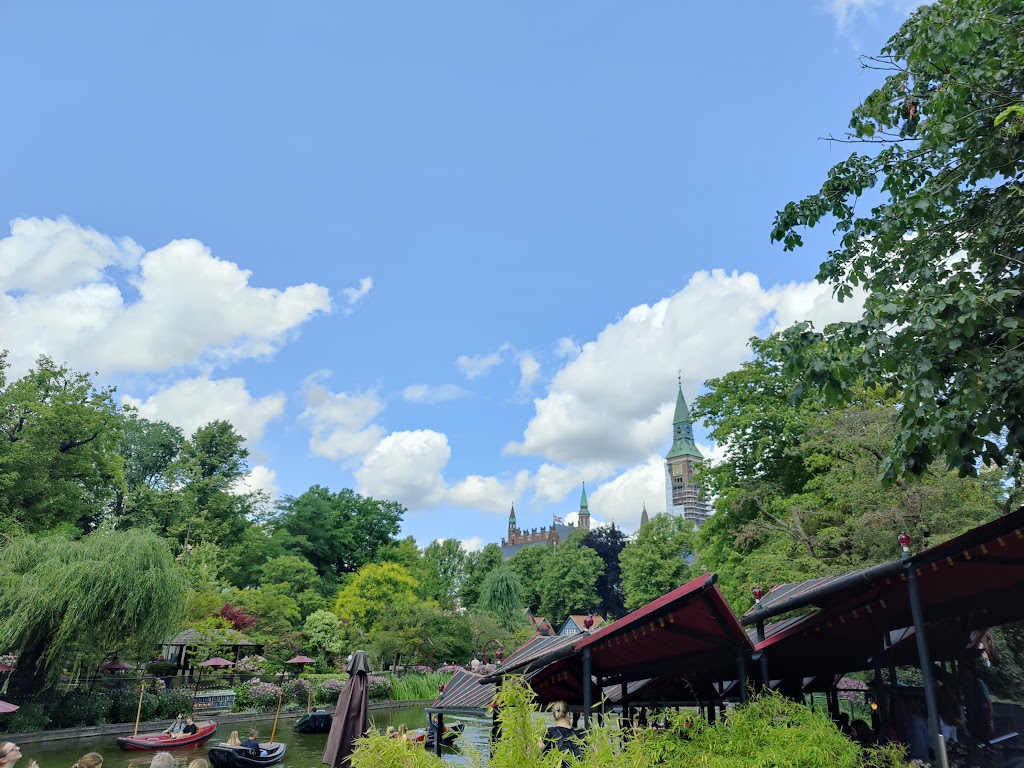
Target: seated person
{"points": [[233, 740], [253, 743], [175, 728], [189, 729]]}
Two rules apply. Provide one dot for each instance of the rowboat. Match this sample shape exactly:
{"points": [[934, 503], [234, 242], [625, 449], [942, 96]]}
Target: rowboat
{"points": [[223, 756], [314, 722], [161, 741]]}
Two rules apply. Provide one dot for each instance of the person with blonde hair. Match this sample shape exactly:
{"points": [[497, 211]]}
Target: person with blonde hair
{"points": [[90, 760], [562, 736], [199, 762], [402, 734], [162, 760], [234, 740]]}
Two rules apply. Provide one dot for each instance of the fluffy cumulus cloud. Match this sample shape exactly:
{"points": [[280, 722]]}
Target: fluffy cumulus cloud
{"points": [[488, 494], [529, 370], [614, 401], [61, 296], [340, 422], [431, 395], [192, 403], [621, 500], [259, 479], [472, 544], [406, 466]]}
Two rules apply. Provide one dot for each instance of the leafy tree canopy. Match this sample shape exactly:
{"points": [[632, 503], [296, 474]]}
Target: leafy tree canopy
{"points": [[657, 560], [502, 597], [608, 541], [444, 566], [64, 600], [375, 589], [939, 252], [478, 565], [570, 584], [531, 565], [58, 448]]}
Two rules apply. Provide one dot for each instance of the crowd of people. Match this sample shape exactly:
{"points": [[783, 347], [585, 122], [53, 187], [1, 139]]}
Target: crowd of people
{"points": [[10, 754]]}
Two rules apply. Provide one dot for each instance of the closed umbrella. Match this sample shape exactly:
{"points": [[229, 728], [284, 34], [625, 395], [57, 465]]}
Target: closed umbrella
{"points": [[352, 715]]}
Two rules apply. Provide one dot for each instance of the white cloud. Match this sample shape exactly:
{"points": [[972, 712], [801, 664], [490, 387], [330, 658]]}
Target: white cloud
{"points": [[429, 395], [529, 370], [259, 478], [473, 544], [566, 347], [193, 403], [61, 297], [406, 466], [488, 494], [552, 482], [613, 403], [477, 365], [340, 421], [354, 295], [623, 497]]}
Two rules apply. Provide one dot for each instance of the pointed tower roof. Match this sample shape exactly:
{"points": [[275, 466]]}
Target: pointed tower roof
{"points": [[583, 500], [682, 431], [512, 516], [644, 519]]}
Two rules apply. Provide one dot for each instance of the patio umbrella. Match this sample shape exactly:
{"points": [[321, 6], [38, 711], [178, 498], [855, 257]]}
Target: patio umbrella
{"points": [[352, 715], [113, 665], [6, 668], [301, 661], [5, 707], [216, 661]]}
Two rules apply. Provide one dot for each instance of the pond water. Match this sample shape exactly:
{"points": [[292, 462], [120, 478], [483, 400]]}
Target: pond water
{"points": [[304, 750]]}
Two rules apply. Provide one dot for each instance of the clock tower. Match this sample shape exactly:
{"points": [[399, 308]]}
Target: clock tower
{"points": [[682, 495]]}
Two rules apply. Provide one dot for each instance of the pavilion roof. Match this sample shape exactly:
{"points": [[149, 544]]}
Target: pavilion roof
{"points": [[464, 692], [220, 637]]}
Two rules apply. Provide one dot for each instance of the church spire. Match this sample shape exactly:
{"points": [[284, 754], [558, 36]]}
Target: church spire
{"points": [[584, 514], [644, 519], [682, 430], [512, 518]]}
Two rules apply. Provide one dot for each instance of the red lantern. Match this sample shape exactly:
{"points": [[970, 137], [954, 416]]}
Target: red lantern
{"points": [[758, 594], [440, 688], [588, 622], [500, 654], [904, 540]]}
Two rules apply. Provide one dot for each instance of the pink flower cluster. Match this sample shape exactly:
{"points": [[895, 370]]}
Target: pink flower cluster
{"points": [[250, 664]]}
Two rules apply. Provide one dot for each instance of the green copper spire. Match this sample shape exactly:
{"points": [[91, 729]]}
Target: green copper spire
{"points": [[682, 431], [512, 518], [583, 500]]}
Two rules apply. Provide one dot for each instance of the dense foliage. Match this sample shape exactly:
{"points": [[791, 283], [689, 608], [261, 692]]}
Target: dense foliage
{"points": [[937, 246]]}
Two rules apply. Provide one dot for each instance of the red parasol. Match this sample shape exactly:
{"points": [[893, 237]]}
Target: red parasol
{"points": [[6, 668], [301, 660], [5, 707], [114, 665], [216, 661]]}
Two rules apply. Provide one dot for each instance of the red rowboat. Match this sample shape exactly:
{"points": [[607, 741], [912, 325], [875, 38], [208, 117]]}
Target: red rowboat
{"points": [[159, 741]]}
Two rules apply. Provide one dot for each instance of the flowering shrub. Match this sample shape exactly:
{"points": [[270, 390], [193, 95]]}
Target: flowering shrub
{"points": [[449, 669], [327, 691], [251, 664], [380, 687], [264, 696], [10, 659], [298, 690], [170, 703]]}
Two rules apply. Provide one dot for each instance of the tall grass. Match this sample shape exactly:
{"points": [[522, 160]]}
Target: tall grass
{"points": [[417, 685]]}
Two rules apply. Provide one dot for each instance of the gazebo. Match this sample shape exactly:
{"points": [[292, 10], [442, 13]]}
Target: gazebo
{"points": [[180, 648]]}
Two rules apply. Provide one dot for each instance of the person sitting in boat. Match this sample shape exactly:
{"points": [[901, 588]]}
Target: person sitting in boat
{"points": [[253, 743], [188, 730], [175, 728], [234, 740]]}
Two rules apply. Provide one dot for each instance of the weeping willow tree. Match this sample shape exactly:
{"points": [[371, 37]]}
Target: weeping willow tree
{"points": [[501, 596], [64, 603]]}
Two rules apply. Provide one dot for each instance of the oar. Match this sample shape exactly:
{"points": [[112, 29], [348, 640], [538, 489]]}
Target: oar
{"points": [[138, 714], [274, 731], [309, 702]]}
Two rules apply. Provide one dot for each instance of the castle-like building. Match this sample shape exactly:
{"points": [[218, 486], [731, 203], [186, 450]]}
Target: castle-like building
{"points": [[683, 496], [553, 536]]}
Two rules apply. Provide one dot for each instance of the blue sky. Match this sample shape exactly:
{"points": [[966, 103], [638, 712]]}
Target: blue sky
{"points": [[449, 253]]}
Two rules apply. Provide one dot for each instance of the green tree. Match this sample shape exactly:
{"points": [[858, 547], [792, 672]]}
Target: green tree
{"points": [[408, 631], [531, 566], [570, 584], [58, 453], [657, 561], [608, 542], [148, 449], [323, 636], [478, 565], [444, 565], [278, 612], [65, 602], [296, 577], [337, 532], [501, 595], [798, 493], [938, 251], [375, 589]]}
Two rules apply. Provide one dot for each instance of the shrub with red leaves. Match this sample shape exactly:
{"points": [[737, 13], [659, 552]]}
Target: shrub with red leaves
{"points": [[240, 619]]}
